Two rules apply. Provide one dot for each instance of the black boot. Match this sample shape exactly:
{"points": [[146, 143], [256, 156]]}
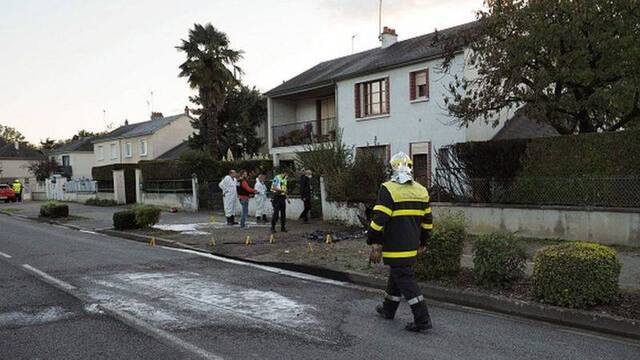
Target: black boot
{"points": [[228, 220], [388, 309], [258, 220], [264, 218], [233, 220], [273, 230], [421, 318]]}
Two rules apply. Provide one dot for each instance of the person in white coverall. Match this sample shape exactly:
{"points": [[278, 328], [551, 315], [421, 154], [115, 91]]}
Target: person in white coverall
{"points": [[229, 187], [261, 199]]}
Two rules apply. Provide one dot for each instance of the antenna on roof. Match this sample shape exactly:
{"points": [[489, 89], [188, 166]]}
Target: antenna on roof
{"points": [[353, 37], [380, 20], [150, 102]]}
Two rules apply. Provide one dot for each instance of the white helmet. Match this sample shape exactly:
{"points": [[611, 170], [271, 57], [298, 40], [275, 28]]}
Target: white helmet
{"points": [[402, 167]]}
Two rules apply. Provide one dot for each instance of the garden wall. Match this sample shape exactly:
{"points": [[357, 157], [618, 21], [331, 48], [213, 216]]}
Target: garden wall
{"points": [[170, 200]]}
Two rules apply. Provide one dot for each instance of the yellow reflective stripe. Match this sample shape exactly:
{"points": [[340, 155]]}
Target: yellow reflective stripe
{"points": [[428, 211], [422, 200], [427, 226], [399, 254], [408, 213], [376, 227], [383, 209]]}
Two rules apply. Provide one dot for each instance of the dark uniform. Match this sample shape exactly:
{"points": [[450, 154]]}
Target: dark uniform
{"points": [[402, 221]]}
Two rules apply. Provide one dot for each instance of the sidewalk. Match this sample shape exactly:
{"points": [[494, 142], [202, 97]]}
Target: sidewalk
{"points": [[303, 244]]}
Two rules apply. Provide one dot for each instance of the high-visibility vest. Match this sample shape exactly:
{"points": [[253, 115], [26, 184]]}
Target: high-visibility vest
{"points": [[279, 184], [17, 187]]}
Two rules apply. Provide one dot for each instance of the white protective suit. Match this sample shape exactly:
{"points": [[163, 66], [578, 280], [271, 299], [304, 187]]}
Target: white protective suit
{"points": [[229, 187], [260, 198]]}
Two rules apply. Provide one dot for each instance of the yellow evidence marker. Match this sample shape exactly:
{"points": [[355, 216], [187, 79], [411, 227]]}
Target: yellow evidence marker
{"points": [[328, 239], [247, 241], [152, 242], [212, 242], [272, 239]]}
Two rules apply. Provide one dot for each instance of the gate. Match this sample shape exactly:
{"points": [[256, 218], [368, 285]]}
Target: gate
{"points": [[130, 185]]}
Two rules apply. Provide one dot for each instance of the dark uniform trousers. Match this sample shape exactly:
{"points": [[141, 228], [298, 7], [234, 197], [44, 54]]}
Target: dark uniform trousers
{"points": [[402, 283], [279, 211]]}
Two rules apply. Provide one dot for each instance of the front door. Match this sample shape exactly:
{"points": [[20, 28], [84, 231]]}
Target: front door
{"points": [[421, 156], [130, 185]]}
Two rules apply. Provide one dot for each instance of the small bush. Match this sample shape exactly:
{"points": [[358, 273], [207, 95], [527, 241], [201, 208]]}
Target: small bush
{"points": [[499, 260], [146, 215], [576, 275], [52, 209], [444, 248], [124, 220], [101, 202]]}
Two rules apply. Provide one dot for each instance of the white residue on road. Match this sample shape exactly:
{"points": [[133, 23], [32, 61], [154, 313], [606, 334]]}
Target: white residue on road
{"points": [[24, 318], [187, 229]]}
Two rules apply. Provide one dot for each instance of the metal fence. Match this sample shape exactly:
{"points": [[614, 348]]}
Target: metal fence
{"points": [[576, 191], [105, 186], [81, 186], [179, 186]]}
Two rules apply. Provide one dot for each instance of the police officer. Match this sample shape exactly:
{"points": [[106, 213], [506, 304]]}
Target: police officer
{"points": [[400, 226], [279, 201]]}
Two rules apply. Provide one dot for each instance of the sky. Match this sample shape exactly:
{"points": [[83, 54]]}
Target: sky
{"points": [[67, 65]]}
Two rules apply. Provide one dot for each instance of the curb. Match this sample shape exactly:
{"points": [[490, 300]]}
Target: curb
{"points": [[580, 319]]}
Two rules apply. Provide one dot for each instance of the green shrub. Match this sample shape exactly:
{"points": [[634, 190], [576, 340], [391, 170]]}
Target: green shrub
{"points": [[576, 275], [101, 202], [52, 209], [124, 220], [444, 248], [499, 260], [146, 215]]}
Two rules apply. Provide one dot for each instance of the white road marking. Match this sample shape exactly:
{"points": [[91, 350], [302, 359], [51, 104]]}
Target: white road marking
{"points": [[289, 273], [49, 279], [5, 255], [89, 232]]}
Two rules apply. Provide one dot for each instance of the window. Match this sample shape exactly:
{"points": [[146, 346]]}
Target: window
{"points": [[114, 151], [372, 98], [100, 153], [381, 152], [127, 150], [419, 84], [143, 147], [66, 161]]}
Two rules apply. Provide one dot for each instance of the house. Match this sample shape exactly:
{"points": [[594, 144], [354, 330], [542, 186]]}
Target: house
{"points": [[75, 158], [15, 159], [132, 143], [384, 100]]}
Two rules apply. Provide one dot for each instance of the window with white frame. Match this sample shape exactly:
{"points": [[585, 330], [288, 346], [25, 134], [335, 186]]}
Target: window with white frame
{"points": [[114, 151], [372, 98], [143, 147], [127, 150], [100, 153]]}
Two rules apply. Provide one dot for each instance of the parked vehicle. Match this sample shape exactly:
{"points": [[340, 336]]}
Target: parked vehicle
{"points": [[7, 194]]}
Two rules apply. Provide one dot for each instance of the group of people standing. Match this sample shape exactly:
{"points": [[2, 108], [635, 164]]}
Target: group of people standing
{"points": [[235, 187]]}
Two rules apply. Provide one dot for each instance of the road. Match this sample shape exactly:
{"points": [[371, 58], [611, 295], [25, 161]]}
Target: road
{"points": [[67, 294]]}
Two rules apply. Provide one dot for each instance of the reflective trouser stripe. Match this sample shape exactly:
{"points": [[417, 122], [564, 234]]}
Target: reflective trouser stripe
{"points": [[415, 300], [399, 254], [376, 227], [392, 298]]}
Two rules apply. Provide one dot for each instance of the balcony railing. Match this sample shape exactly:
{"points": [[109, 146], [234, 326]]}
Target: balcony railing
{"points": [[306, 132]]}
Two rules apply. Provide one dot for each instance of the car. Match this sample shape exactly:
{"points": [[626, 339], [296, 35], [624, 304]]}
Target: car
{"points": [[7, 194]]}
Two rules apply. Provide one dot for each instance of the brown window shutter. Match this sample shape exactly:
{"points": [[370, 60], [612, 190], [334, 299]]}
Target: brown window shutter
{"points": [[356, 96], [412, 86], [427, 82], [388, 96]]}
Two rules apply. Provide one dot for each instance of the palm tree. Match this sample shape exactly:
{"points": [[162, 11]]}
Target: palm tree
{"points": [[211, 69]]}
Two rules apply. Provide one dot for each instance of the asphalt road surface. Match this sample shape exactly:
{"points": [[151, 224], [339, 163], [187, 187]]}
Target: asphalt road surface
{"points": [[66, 294]]}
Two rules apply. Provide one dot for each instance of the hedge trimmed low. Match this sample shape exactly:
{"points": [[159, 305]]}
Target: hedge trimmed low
{"points": [[124, 220], [576, 275], [146, 215], [444, 248], [499, 260], [101, 202], [54, 210]]}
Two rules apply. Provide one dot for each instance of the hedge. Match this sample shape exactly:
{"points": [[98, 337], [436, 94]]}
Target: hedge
{"points": [[146, 215], [499, 260], [444, 248], [101, 202], [52, 209], [124, 220], [576, 275]]}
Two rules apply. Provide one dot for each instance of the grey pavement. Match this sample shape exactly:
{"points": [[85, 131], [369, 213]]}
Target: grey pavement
{"points": [[234, 311]]}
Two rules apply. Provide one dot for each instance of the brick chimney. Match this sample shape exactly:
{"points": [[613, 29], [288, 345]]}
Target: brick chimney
{"points": [[156, 115], [388, 37]]}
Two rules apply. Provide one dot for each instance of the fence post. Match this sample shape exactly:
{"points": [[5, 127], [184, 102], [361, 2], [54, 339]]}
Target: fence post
{"points": [[194, 190], [138, 186]]}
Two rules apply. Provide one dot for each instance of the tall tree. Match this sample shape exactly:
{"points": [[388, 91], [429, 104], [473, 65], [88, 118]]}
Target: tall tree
{"points": [[211, 68], [48, 144], [10, 134], [572, 64]]}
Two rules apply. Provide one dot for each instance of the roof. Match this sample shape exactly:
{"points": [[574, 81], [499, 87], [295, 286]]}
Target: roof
{"points": [[82, 144], [139, 129], [24, 151], [176, 152], [521, 126], [401, 53]]}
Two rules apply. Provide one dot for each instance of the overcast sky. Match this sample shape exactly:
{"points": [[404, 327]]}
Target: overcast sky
{"points": [[63, 62]]}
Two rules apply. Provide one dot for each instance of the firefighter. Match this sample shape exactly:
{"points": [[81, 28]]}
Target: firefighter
{"points": [[400, 226], [17, 188]]}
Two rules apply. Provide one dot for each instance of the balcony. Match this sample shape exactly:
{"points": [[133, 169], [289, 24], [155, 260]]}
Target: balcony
{"points": [[304, 132]]}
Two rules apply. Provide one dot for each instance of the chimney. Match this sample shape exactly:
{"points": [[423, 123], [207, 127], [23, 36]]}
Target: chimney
{"points": [[186, 110], [126, 122], [388, 37], [156, 115]]}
